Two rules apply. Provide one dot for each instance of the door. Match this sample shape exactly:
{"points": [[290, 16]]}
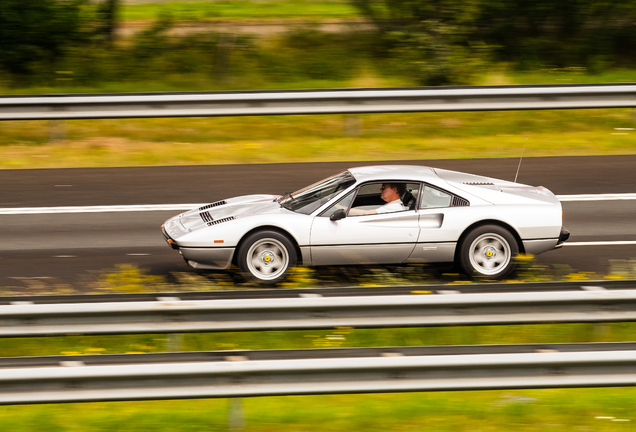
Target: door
{"points": [[373, 238], [437, 239]]}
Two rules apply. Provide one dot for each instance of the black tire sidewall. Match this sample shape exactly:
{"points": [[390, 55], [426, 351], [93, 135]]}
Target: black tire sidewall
{"points": [[259, 235], [464, 253]]}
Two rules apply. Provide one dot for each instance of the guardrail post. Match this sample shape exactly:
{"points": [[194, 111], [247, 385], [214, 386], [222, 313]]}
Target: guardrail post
{"points": [[352, 125], [601, 330], [57, 130], [174, 342], [236, 414]]}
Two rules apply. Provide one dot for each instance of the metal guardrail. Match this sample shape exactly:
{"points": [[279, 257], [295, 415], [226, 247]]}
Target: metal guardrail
{"points": [[333, 101], [326, 372], [172, 315]]}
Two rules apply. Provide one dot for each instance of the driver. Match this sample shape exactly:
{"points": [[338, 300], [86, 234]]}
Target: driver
{"points": [[391, 193]]}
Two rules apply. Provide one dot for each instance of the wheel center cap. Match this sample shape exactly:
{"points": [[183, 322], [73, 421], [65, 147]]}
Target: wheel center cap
{"points": [[490, 253], [268, 258]]}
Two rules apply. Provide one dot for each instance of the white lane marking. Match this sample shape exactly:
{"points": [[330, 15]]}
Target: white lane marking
{"points": [[65, 256], [600, 243], [183, 207], [138, 254], [597, 197]]}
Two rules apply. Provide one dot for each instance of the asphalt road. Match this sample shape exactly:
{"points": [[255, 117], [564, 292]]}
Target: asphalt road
{"points": [[71, 249]]}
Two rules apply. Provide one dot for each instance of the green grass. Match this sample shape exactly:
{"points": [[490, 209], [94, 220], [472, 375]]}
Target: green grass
{"points": [[270, 139], [337, 338], [239, 10], [574, 75], [260, 80], [546, 410]]}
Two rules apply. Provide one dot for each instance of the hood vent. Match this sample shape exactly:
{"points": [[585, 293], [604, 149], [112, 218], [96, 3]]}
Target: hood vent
{"points": [[218, 221], [207, 218], [479, 183], [214, 204], [459, 202]]}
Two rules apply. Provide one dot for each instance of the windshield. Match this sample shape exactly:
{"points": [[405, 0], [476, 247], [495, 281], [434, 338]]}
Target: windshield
{"points": [[308, 199]]}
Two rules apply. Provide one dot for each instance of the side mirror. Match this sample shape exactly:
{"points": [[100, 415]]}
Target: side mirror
{"points": [[338, 214]]}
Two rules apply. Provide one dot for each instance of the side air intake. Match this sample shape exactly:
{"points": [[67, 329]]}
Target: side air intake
{"points": [[214, 204], [459, 202]]}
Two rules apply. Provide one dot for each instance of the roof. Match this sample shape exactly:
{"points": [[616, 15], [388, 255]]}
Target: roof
{"points": [[393, 172]]}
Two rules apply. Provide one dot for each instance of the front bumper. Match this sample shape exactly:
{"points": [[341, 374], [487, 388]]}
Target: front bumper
{"points": [[217, 258], [171, 242]]}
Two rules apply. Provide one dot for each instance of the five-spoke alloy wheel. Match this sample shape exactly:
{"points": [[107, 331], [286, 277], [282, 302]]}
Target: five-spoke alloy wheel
{"points": [[488, 251], [266, 256]]}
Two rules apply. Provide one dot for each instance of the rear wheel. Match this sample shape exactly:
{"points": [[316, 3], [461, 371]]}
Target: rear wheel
{"points": [[488, 252], [265, 257]]}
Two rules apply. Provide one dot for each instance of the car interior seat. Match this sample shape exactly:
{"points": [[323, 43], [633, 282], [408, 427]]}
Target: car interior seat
{"points": [[408, 200]]}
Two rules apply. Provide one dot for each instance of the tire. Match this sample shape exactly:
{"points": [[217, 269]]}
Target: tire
{"points": [[266, 256], [488, 252]]}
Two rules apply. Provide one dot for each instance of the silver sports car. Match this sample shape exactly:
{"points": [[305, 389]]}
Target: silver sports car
{"points": [[374, 215]]}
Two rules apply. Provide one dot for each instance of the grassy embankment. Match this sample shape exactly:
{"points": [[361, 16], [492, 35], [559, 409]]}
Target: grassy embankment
{"points": [[229, 140], [598, 410]]}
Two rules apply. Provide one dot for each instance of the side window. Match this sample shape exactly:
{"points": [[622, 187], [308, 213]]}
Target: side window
{"points": [[368, 200], [434, 198], [384, 197], [344, 203]]}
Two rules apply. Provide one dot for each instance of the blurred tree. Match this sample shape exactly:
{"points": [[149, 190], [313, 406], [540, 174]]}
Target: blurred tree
{"points": [[434, 41], [34, 31], [561, 33], [107, 14], [441, 41]]}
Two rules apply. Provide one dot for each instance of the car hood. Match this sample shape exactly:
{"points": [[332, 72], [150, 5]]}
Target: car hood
{"points": [[220, 212]]}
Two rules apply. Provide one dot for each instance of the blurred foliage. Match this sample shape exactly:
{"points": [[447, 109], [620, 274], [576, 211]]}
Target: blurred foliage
{"points": [[301, 277], [218, 60], [434, 42], [129, 279], [443, 41], [426, 42], [622, 269], [595, 34], [38, 32]]}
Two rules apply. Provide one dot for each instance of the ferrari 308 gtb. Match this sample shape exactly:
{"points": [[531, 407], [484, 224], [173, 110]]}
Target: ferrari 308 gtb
{"points": [[374, 215]]}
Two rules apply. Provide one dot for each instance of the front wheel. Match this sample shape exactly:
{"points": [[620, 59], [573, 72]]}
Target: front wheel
{"points": [[488, 252], [265, 256]]}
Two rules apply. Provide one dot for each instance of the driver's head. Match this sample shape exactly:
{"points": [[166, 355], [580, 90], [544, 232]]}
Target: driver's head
{"points": [[392, 191]]}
